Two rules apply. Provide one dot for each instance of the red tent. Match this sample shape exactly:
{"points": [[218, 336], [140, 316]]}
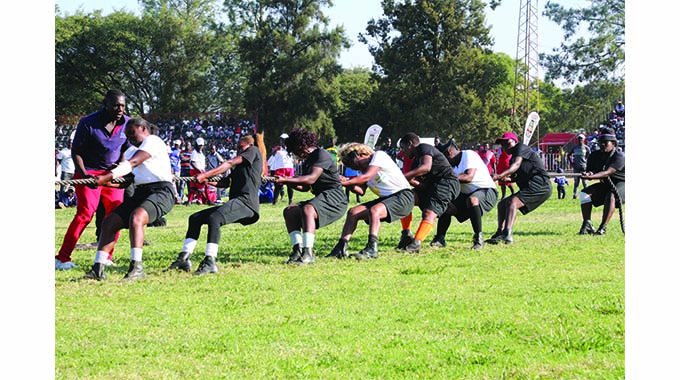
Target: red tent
{"points": [[557, 139]]}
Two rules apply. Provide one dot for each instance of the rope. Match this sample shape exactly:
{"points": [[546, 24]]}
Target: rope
{"points": [[617, 198], [88, 181]]}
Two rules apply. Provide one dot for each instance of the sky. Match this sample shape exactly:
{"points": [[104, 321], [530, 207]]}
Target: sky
{"points": [[355, 14]]}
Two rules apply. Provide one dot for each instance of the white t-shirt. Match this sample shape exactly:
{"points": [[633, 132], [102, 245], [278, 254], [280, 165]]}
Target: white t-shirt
{"points": [[67, 165], [481, 180], [198, 158], [157, 167], [280, 160], [389, 178]]}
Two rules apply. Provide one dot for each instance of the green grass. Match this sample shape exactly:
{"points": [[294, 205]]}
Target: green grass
{"points": [[550, 306]]}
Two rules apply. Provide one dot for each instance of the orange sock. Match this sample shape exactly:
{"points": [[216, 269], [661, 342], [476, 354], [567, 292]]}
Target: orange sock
{"points": [[424, 229], [406, 222]]}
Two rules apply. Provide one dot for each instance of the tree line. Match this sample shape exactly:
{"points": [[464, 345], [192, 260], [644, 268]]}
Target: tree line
{"points": [[434, 74]]}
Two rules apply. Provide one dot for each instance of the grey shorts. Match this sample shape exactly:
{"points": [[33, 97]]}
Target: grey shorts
{"points": [[487, 201], [598, 192], [535, 193], [157, 199], [436, 197], [398, 205], [330, 206]]}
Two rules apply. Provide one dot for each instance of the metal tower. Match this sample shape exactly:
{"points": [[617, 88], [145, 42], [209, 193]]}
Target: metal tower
{"points": [[526, 63]]}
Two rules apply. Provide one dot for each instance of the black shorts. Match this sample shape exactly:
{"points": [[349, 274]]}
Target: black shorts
{"points": [[437, 196], [598, 192], [237, 211], [487, 200], [330, 205], [398, 205], [157, 199], [535, 193]]}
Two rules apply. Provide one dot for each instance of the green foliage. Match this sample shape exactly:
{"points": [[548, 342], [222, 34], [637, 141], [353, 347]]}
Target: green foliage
{"points": [[598, 56], [355, 108], [551, 305], [436, 73]]}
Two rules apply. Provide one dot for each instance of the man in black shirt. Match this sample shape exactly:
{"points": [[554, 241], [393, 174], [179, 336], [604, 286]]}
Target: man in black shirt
{"points": [[609, 166], [527, 170]]}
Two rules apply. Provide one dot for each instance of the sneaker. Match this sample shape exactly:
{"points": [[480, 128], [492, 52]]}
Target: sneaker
{"points": [[340, 250], [296, 256], [96, 273], [507, 239], [498, 237], [307, 256], [406, 239], [135, 271], [601, 231], [477, 241], [206, 266], [370, 251], [586, 228], [438, 242], [414, 247], [181, 263], [58, 265]]}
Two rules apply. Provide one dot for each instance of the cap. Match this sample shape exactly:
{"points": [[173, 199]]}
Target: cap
{"points": [[581, 136], [284, 136], [177, 142], [507, 136], [200, 141]]}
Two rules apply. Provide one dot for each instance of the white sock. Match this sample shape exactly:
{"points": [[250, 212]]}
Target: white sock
{"points": [[101, 257], [296, 237], [136, 254], [189, 246], [308, 240], [211, 249]]}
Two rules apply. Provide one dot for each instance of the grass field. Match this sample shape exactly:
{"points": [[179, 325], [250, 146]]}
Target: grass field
{"points": [[549, 306]]}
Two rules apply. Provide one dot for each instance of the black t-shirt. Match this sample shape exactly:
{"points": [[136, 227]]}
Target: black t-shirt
{"points": [[601, 160], [440, 165], [531, 164], [246, 177], [329, 178]]}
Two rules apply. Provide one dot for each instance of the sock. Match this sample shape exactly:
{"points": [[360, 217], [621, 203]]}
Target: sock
{"points": [[308, 240], [189, 245], [476, 218], [211, 249], [101, 257], [424, 230], [406, 222], [296, 238], [136, 254], [443, 225]]}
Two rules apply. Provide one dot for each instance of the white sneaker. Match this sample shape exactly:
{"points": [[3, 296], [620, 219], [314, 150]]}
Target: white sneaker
{"points": [[109, 263], [58, 265]]}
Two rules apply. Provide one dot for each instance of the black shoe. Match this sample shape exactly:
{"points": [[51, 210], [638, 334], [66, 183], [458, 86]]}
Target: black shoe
{"points": [[370, 251], [477, 241], [307, 257], [181, 263], [438, 242], [135, 272], [414, 247], [500, 237], [601, 231], [406, 239], [586, 228], [296, 256], [206, 266], [340, 250], [96, 273]]}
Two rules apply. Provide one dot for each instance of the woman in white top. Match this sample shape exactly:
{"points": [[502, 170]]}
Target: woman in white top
{"points": [[147, 164], [380, 174]]}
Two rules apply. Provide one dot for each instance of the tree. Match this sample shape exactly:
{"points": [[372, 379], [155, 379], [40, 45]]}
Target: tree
{"points": [[291, 58], [600, 55], [437, 75], [354, 110]]}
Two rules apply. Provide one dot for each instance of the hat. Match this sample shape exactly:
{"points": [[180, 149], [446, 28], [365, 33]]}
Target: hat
{"points": [[200, 141], [177, 142], [507, 136], [283, 136], [581, 136], [560, 170], [607, 134]]}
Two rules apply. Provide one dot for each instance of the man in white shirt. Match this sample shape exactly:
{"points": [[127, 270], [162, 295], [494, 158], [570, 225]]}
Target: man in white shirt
{"points": [[477, 196], [148, 163], [197, 162]]}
